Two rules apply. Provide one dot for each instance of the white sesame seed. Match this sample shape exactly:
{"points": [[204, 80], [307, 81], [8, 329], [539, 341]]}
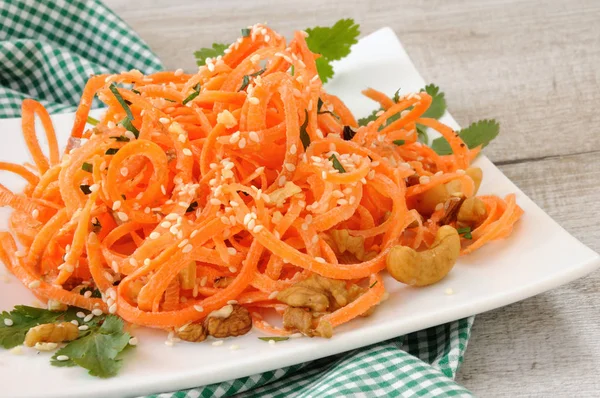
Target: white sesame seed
{"points": [[108, 276], [187, 152], [282, 180], [74, 321], [80, 315], [20, 253], [164, 120], [234, 347], [94, 187], [257, 229], [233, 203], [290, 167], [215, 201], [154, 235], [183, 204], [174, 230], [424, 180], [146, 261], [232, 269], [62, 358], [83, 327], [251, 224], [183, 243], [320, 259], [187, 248], [253, 135], [97, 312], [254, 100], [116, 205], [232, 251], [87, 294], [165, 224], [324, 174], [122, 216], [88, 317], [352, 200], [449, 291], [8, 322], [217, 343], [178, 72], [112, 309], [199, 308], [133, 341], [34, 284], [35, 213], [293, 149]]}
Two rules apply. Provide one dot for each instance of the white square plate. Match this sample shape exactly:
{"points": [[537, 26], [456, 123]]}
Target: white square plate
{"points": [[538, 256]]}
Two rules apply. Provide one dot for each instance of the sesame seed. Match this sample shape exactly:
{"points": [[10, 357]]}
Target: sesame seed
{"points": [[124, 171], [187, 248], [116, 205], [88, 317], [83, 327], [293, 149], [164, 120], [324, 175], [449, 291], [112, 309], [233, 203], [97, 312], [232, 269], [315, 239], [242, 143], [87, 294], [8, 322], [183, 204], [108, 276], [254, 100], [174, 230], [133, 341], [234, 347], [165, 224], [352, 200], [146, 261], [35, 213], [183, 243], [253, 135], [74, 321], [178, 72], [80, 315], [215, 201], [203, 281], [199, 308], [232, 251], [424, 180], [251, 224], [34, 284], [320, 259], [154, 235], [217, 343], [20, 253], [290, 167], [282, 180], [122, 216], [187, 152], [257, 229], [94, 187], [439, 206]]}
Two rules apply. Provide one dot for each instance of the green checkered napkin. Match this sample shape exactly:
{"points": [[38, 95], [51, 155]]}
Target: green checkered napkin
{"points": [[48, 50]]}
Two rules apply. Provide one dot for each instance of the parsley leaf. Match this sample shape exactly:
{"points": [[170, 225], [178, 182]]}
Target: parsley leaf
{"points": [[111, 151], [332, 43], [465, 232], [274, 338], [478, 133], [192, 95], [399, 142], [438, 102], [24, 318], [92, 121], [336, 164], [98, 350], [216, 50], [304, 137], [363, 121]]}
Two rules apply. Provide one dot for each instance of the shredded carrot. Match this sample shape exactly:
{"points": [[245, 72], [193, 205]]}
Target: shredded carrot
{"points": [[161, 202]]}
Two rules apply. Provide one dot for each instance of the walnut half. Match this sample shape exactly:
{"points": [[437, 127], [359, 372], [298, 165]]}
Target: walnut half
{"points": [[51, 333], [237, 323], [193, 332]]}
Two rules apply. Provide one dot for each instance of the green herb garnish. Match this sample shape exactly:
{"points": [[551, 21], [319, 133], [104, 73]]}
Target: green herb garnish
{"points": [[120, 138], [304, 137], [87, 167], [85, 189], [399, 142], [465, 232], [274, 338], [478, 133], [95, 292], [111, 151], [336, 164], [245, 32], [119, 97], [246, 78], [333, 43], [193, 95], [129, 126], [374, 283], [92, 121], [204, 53]]}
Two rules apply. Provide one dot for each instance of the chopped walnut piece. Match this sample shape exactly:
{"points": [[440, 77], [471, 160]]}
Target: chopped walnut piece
{"points": [[298, 319], [222, 282], [317, 293], [51, 333], [324, 329], [344, 244], [194, 332], [451, 208], [237, 323]]}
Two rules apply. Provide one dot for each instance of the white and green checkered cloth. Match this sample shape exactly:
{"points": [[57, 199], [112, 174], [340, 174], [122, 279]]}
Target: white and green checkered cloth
{"points": [[47, 51]]}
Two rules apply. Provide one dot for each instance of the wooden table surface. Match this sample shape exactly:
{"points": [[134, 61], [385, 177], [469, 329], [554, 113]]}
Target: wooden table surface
{"points": [[532, 65]]}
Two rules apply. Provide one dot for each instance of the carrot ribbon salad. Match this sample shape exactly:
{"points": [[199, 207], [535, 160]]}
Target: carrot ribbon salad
{"points": [[201, 202]]}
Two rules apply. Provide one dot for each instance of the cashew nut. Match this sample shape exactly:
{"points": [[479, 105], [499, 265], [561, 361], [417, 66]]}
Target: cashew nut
{"points": [[426, 267], [472, 212], [428, 200]]}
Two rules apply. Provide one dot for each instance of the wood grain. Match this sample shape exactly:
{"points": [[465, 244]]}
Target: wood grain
{"points": [[531, 65]]}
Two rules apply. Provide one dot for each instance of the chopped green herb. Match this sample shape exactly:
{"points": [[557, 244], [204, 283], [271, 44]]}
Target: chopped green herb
{"points": [[332, 43], [87, 167], [95, 292], [129, 126], [246, 78], [245, 32], [348, 133], [304, 137], [133, 90], [374, 283], [192, 207], [111, 151], [204, 53], [98, 349], [336, 164], [478, 133], [292, 70], [422, 134], [274, 338], [396, 96], [120, 138], [193, 95], [92, 121], [399, 142], [438, 102], [119, 97], [85, 189], [363, 121], [170, 100], [465, 232]]}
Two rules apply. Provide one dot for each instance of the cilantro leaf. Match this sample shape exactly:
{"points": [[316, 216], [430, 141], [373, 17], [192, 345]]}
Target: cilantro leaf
{"points": [[274, 338], [216, 50], [336, 164], [399, 142], [478, 133], [465, 232], [245, 32], [193, 95], [98, 350], [371, 118], [422, 134], [23, 318], [92, 121], [332, 43], [87, 167], [304, 137], [438, 102]]}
